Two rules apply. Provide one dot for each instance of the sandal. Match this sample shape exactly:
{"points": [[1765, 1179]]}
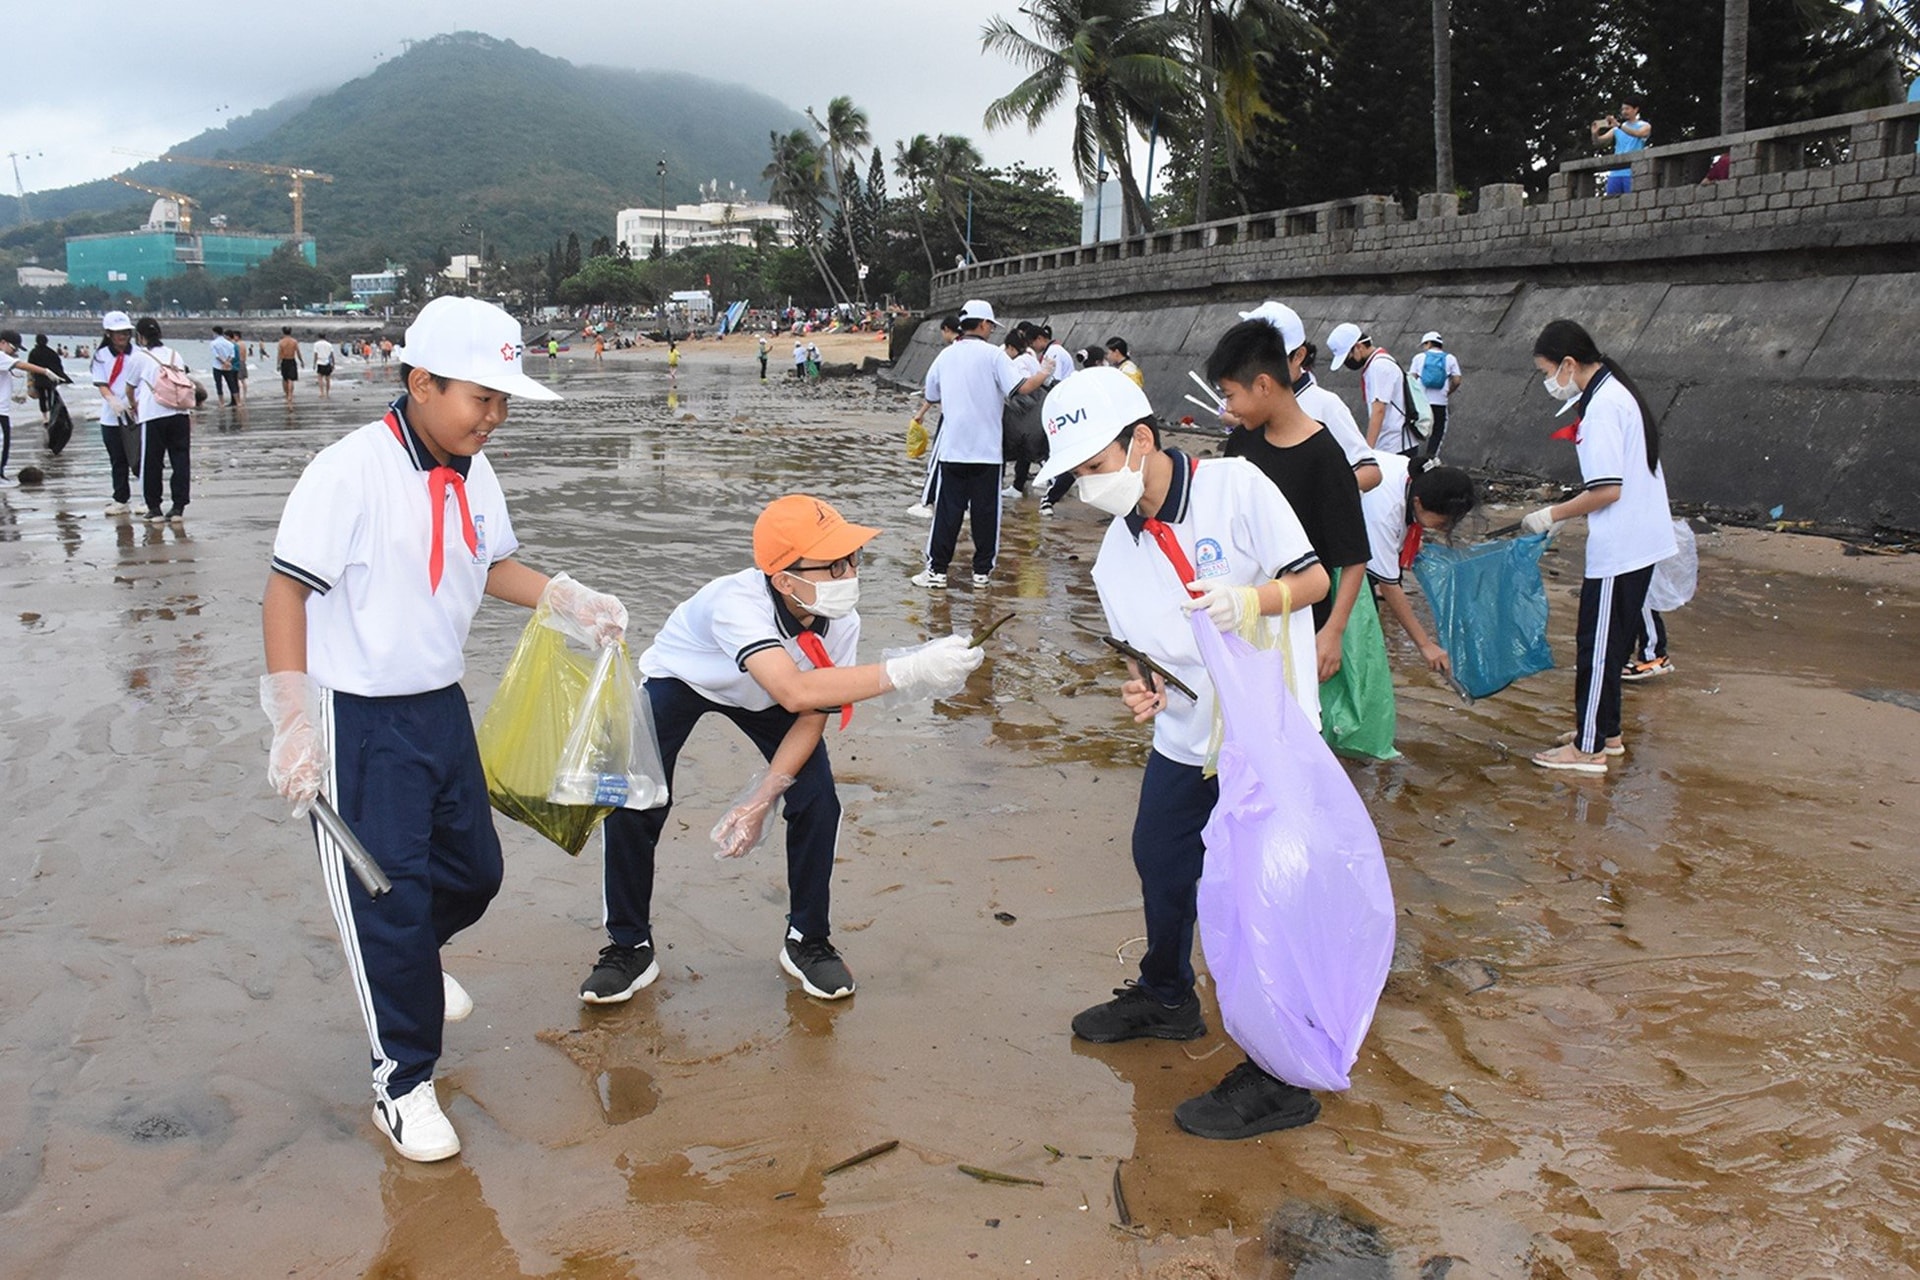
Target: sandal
{"points": [[1613, 747], [1570, 759]]}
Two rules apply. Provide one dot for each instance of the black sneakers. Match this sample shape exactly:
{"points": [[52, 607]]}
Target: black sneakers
{"points": [[620, 972], [822, 973], [1135, 1013], [1246, 1103]]}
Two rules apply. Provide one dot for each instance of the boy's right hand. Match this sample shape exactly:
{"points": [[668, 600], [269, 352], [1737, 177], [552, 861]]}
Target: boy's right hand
{"points": [[297, 760], [1144, 698], [935, 670]]}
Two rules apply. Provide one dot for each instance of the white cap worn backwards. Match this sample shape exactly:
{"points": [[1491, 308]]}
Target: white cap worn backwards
{"points": [[472, 341], [978, 309], [1293, 334]]}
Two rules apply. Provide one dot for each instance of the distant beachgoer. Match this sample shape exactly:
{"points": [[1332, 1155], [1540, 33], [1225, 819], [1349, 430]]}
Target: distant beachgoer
{"points": [[599, 348], [673, 357], [1119, 357], [49, 359], [323, 367], [763, 357], [799, 357], [813, 363], [116, 367], [1629, 133], [166, 433], [386, 349], [11, 367], [291, 361], [239, 365], [553, 351], [222, 351]]}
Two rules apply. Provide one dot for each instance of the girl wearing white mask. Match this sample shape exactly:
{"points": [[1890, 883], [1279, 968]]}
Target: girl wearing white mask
{"points": [[1629, 530]]}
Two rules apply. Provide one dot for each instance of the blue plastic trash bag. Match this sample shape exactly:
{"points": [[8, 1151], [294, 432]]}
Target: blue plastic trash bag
{"points": [[1489, 609], [1296, 912]]}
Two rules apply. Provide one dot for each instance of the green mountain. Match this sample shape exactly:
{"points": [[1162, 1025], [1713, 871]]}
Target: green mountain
{"points": [[464, 138]]}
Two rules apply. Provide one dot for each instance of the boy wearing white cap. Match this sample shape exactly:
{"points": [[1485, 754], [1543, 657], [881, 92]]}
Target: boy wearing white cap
{"points": [[1187, 536], [389, 540], [1383, 386], [1439, 374]]}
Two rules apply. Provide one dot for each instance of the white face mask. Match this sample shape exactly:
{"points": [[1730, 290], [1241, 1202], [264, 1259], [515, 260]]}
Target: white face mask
{"points": [[1115, 492], [1559, 390], [834, 598]]}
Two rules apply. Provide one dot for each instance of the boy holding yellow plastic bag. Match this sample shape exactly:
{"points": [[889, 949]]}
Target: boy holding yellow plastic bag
{"points": [[388, 542]]}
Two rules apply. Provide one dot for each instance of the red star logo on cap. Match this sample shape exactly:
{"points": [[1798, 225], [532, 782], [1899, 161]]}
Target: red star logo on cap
{"points": [[506, 351]]}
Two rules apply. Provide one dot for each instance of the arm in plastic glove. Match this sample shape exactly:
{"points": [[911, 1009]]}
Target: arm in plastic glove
{"points": [[1585, 503], [936, 669], [594, 616], [1402, 609], [1231, 608], [297, 760], [748, 820]]}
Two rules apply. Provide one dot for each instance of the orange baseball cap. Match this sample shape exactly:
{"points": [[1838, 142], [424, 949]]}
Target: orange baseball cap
{"points": [[798, 527]]}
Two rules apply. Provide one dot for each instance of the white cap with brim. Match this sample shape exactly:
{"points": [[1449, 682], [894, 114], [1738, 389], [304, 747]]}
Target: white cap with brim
{"points": [[471, 341], [1433, 336], [116, 322], [1084, 414], [1293, 333], [1341, 341], [978, 309]]}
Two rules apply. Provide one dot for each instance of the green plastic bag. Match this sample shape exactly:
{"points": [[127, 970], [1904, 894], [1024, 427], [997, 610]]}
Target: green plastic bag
{"points": [[1356, 705], [526, 729]]}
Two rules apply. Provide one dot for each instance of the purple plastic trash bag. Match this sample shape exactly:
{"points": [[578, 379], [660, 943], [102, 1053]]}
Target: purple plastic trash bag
{"points": [[1296, 912]]}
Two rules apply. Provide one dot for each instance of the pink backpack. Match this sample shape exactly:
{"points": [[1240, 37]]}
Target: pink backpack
{"points": [[173, 388]]}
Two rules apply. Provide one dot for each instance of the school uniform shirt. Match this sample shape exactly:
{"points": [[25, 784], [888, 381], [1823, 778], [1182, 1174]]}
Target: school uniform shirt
{"points": [[1385, 383], [148, 406], [1385, 507], [1060, 365], [708, 638], [971, 381], [1236, 530], [358, 528], [122, 386], [1637, 529], [1331, 412], [799, 353], [9, 376], [1314, 478], [1439, 394]]}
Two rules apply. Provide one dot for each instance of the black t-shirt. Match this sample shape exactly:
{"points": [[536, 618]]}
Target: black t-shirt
{"points": [[1318, 484]]}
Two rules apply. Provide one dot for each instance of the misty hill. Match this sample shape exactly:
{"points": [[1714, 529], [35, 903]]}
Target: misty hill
{"points": [[463, 136]]}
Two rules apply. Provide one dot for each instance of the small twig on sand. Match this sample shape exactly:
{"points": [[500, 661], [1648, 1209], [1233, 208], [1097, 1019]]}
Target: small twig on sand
{"points": [[1120, 1209], [862, 1158], [1006, 1179]]}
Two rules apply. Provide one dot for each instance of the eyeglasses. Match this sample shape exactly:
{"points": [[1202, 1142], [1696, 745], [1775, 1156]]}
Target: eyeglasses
{"points": [[838, 569]]}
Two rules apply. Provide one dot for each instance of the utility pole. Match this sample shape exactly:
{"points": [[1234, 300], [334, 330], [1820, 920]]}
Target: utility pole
{"points": [[661, 169]]}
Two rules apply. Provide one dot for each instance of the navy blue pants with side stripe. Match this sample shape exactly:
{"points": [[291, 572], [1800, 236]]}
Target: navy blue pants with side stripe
{"points": [[965, 490], [1609, 617], [406, 777], [812, 811], [1175, 802]]}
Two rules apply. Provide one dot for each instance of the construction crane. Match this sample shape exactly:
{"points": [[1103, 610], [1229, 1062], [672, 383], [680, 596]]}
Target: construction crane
{"points": [[19, 186], [180, 198], [298, 177]]}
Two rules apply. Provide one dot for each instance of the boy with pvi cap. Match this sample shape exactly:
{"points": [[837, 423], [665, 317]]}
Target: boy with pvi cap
{"points": [[389, 541], [1187, 536], [771, 648]]}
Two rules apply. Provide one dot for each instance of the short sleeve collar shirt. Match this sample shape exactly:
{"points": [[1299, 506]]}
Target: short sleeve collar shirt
{"points": [[1636, 529], [1385, 384], [1439, 394], [709, 637], [1059, 363], [1236, 529], [1331, 412], [121, 385], [1385, 507], [971, 381], [358, 529]]}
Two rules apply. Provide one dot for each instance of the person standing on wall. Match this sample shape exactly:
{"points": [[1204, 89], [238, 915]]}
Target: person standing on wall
{"points": [[1629, 133], [1439, 375], [1629, 530], [970, 381]]}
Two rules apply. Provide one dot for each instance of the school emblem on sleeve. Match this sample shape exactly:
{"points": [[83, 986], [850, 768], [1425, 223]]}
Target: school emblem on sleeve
{"points": [[1209, 561], [479, 538]]}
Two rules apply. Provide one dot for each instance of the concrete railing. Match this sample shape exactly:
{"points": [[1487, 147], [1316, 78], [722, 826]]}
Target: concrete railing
{"points": [[1859, 167]]}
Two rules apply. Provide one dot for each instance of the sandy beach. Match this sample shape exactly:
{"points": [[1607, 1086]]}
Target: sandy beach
{"points": [[1661, 1023]]}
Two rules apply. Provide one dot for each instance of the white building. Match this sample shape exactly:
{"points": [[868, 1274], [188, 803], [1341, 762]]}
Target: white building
{"points": [[368, 285], [464, 267], [693, 225], [39, 277]]}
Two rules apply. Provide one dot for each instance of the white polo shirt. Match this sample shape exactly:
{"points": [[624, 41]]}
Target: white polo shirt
{"points": [[971, 381], [1637, 529], [101, 370], [1060, 364], [1439, 394], [1235, 528], [1384, 382], [1385, 508], [357, 529], [708, 638], [1331, 412]]}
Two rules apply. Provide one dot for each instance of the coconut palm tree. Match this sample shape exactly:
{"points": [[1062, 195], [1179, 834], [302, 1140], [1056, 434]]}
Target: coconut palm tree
{"points": [[795, 178], [1228, 43], [1733, 67], [955, 161], [1443, 95], [844, 132], [913, 165], [1116, 61]]}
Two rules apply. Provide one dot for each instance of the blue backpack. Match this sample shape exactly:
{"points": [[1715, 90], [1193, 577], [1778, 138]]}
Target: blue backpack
{"points": [[1433, 370]]}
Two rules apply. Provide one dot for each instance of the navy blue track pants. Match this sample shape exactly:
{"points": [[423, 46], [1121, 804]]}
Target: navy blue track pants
{"points": [[1175, 802]]}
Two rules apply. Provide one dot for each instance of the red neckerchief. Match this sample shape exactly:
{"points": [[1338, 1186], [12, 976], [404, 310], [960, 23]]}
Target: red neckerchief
{"points": [[119, 363], [439, 480], [1570, 432], [1410, 547], [816, 652], [1163, 535]]}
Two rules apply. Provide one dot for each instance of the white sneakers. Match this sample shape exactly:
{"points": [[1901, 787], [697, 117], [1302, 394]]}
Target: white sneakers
{"points": [[930, 580], [416, 1126], [459, 1003], [920, 511], [117, 509]]}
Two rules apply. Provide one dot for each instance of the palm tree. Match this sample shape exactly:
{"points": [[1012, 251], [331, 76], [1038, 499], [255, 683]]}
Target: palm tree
{"points": [[843, 132], [1733, 67], [1443, 95], [1118, 61], [955, 161], [913, 165], [795, 179], [1230, 41]]}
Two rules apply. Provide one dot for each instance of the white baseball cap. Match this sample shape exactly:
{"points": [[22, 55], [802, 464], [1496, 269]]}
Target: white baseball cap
{"points": [[1341, 341], [1293, 334], [116, 322], [978, 309], [472, 341], [1433, 336], [1084, 414]]}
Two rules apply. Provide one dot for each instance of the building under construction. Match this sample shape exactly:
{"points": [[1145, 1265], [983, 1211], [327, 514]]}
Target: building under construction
{"points": [[168, 245]]}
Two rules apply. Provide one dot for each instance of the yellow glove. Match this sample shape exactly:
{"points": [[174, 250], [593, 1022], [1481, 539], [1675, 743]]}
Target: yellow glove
{"points": [[917, 439]]}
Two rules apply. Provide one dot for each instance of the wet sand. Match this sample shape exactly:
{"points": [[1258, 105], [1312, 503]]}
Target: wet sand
{"points": [[1659, 1024]]}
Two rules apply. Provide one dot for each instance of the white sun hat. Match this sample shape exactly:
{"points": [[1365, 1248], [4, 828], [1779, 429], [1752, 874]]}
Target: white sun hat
{"points": [[471, 341]]}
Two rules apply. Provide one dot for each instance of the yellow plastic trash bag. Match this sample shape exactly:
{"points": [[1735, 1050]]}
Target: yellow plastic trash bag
{"points": [[526, 729], [917, 439]]}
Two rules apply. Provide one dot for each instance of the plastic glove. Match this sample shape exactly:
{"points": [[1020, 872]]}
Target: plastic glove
{"points": [[934, 670], [745, 825], [297, 760], [1540, 521], [119, 406], [1227, 607], [592, 616]]}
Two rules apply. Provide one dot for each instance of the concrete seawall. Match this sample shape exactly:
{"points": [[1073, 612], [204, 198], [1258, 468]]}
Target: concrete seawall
{"points": [[1773, 319]]}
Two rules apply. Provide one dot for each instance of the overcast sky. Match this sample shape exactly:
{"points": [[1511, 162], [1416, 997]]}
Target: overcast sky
{"points": [[155, 76]]}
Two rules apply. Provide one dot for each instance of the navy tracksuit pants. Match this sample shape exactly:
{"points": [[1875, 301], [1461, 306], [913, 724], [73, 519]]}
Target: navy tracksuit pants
{"points": [[1609, 616], [962, 489], [812, 808], [406, 776], [1175, 802]]}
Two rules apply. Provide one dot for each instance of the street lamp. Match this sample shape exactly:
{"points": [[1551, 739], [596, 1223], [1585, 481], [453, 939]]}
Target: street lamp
{"points": [[661, 169]]}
